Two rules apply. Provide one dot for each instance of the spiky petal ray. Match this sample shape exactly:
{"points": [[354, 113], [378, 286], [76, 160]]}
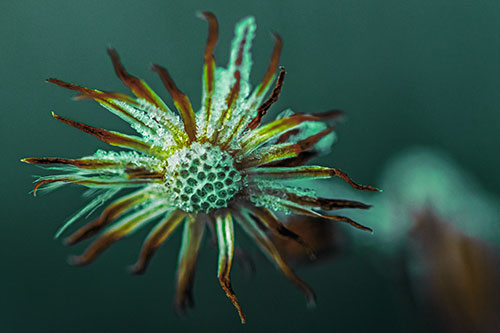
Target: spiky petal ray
{"points": [[188, 255], [158, 235], [265, 244], [225, 241], [119, 230]]}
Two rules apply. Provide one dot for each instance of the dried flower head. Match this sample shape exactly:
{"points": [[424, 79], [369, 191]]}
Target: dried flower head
{"points": [[204, 169]]}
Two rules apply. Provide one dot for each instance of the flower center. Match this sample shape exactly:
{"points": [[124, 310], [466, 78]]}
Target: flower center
{"points": [[202, 178]]}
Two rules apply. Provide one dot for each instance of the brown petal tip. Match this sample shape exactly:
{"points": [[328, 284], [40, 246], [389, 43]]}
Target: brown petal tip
{"points": [[76, 261], [68, 241], [136, 269], [311, 301], [205, 15]]}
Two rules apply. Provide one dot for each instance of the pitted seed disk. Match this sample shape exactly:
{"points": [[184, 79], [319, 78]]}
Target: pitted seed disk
{"points": [[202, 178]]}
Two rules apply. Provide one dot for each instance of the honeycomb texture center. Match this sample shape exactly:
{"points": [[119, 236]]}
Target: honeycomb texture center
{"points": [[201, 178]]}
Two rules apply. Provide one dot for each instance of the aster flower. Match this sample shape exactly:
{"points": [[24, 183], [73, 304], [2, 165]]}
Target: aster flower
{"points": [[204, 170]]}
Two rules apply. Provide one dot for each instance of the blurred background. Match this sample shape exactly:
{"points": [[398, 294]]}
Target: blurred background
{"points": [[419, 82]]}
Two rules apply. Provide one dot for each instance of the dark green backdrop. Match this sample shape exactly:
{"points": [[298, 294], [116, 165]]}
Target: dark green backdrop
{"points": [[406, 72]]}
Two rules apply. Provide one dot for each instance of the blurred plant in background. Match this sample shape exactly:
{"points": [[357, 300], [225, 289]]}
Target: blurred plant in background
{"points": [[436, 236], [447, 227]]}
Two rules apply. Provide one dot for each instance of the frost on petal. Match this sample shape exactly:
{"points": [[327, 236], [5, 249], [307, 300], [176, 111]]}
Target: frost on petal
{"points": [[250, 113], [121, 206], [241, 58], [232, 85], [269, 154], [265, 134], [162, 129], [124, 227], [203, 117], [88, 209], [272, 194], [128, 158]]}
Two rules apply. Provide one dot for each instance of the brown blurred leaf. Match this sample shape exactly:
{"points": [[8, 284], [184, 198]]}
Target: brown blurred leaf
{"points": [[321, 235], [458, 274]]}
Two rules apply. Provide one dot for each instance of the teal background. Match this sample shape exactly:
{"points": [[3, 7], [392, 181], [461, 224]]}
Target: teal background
{"points": [[406, 72]]}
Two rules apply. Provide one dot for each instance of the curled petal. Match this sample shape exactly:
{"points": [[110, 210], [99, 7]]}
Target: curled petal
{"points": [[302, 172], [262, 110], [225, 241], [324, 203], [256, 98], [273, 65], [348, 180], [310, 212]]}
